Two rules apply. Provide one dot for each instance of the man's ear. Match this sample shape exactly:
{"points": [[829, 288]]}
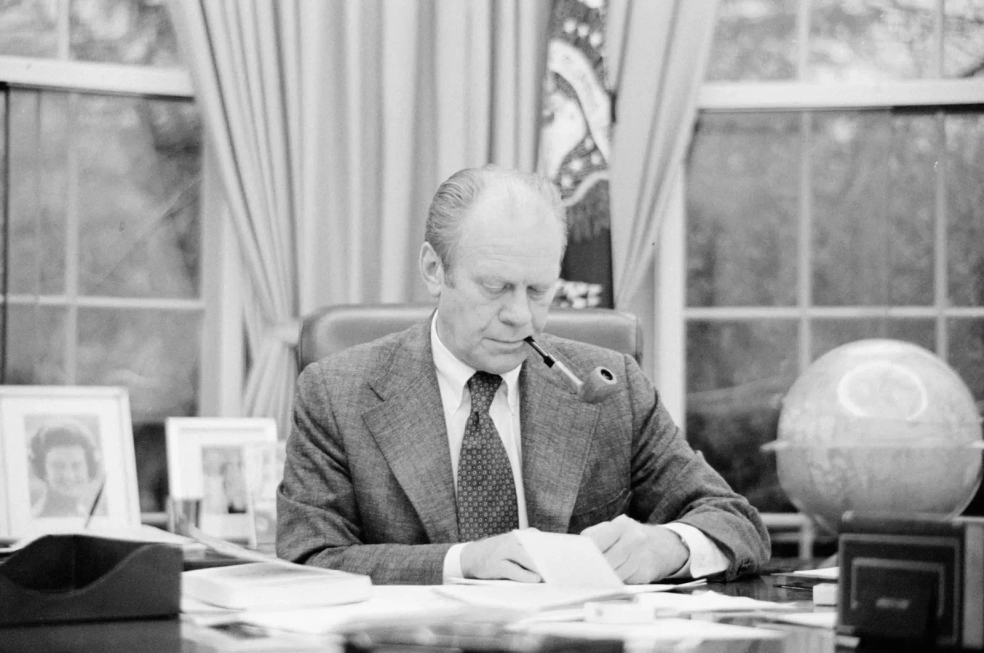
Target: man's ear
{"points": [[431, 269]]}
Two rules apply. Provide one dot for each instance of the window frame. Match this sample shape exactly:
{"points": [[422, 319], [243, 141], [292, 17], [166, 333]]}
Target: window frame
{"points": [[794, 96], [221, 353]]}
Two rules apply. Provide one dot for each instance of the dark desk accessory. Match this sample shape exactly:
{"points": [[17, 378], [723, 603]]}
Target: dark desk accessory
{"points": [[59, 578], [912, 580], [130, 636]]}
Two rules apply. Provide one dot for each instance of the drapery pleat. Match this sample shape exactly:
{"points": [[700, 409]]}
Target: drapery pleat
{"points": [[659, 52], [333, 122]]}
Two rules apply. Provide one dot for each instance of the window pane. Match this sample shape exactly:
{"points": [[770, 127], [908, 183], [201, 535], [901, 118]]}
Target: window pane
{"points": [[966, 354], [828, 334], [754, 40], [139, 169], [4, 251], [963, 39], [123, 31], [38, 173], [29, 28], [862, 41], [35, 346], [736, 374], [964, 176], [742, 200], [153, 353], [873, 189]]}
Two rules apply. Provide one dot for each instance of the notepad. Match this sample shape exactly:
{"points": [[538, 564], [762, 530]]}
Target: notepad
{"points": [[274, 584]]}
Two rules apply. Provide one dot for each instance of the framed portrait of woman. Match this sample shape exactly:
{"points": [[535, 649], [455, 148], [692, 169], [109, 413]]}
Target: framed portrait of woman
{"points": [[232, 465], [67, 460]]}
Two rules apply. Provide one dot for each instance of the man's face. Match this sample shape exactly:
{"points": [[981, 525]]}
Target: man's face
{"points": [[66, 470], [505, 273]]}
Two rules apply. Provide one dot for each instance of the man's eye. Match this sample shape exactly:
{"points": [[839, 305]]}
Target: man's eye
{"points": [[493, 288], [537, 293]]}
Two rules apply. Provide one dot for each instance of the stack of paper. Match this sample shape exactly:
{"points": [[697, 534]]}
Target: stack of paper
{"points": [[142, 533], [386, 604]]}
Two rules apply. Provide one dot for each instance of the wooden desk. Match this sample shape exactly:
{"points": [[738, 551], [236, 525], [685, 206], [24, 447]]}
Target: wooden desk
{"points": [[171, 635]]}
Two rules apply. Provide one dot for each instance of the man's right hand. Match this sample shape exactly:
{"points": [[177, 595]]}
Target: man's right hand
{"points": [[499, 556]]}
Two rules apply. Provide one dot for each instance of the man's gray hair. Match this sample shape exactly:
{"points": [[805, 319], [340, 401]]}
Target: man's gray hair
{"points": [[456, 197]]}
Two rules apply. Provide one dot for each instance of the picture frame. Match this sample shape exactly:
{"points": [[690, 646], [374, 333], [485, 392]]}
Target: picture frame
{"points": [[231, 465], [67, 460]]}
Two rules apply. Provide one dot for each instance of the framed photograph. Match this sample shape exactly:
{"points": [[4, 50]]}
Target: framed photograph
{"points": [[231, 464], [66, 452]]}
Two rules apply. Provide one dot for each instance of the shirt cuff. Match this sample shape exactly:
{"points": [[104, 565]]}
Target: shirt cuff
{"points": [[452, 562], [705, 557]]}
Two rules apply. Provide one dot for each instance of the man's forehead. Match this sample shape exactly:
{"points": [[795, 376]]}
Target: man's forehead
{"points": [[511, 202]]}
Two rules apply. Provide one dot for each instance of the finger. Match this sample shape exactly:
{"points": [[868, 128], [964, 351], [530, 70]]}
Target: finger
{"points": [[618, 555], [513, 571], [604, 535], [520, 557], [640, 574]]}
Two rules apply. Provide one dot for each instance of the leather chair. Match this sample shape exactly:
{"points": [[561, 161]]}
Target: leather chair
{"points": [[334, 328]]}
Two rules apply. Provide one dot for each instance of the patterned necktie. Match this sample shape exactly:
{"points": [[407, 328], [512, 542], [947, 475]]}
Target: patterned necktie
{"points": [[486, 489]]}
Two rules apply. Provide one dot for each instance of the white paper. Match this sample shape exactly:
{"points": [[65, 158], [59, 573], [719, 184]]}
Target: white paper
{"points": [[141, 533], [707, 602], [627, 589], [661, 630], [525, 597], [568, 560], [388, 603], [826, 620], [824, 573]]}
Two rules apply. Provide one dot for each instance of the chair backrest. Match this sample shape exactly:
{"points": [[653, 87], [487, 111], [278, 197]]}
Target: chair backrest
{"points": [[334, 328]]}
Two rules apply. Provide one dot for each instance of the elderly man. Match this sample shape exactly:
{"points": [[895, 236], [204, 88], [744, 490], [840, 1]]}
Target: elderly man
{"points": [[414, 458]]}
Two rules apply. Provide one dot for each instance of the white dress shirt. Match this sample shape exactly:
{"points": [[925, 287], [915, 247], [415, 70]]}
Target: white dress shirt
{"points": [[452, 379]]}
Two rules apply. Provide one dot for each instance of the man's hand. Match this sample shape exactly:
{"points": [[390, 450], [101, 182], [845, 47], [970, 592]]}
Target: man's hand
{"points": [[639, 553], [500, 556]]}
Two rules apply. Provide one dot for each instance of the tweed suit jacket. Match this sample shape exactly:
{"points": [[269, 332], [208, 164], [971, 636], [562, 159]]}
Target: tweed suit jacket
{"points": [[368, 485]]}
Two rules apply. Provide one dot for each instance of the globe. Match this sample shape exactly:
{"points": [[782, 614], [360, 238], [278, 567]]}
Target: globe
{"points": [[878, 425]]}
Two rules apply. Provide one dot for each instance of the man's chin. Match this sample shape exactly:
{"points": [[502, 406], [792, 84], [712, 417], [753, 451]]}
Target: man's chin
{"points": [[502, 363]]}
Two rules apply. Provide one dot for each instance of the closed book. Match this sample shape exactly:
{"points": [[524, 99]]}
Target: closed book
{"points": [[274, 585]]}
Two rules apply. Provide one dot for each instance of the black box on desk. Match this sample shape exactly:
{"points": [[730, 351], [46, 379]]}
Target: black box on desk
{"points": [[912, 577], [60, 578]]}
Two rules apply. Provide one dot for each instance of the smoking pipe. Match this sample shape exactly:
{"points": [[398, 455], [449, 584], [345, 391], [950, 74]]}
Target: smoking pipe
{"points": [[601, 383]]}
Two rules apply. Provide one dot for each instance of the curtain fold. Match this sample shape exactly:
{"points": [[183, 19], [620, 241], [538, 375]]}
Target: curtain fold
{"points": [[659, 52], [333, 122]]}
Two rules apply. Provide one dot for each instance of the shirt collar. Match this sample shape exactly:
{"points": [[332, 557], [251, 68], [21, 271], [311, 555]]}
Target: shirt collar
{"points": [[456, 373]]}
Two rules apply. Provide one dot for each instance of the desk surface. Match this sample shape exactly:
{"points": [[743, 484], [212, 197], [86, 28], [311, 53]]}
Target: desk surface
{"points": [[168, 636]]}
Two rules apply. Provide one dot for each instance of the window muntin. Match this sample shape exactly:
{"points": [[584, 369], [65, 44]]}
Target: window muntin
{"points": [[799, 157], [108, 277]]}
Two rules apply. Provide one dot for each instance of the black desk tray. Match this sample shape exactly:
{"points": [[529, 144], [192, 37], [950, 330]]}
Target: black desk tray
{"points": [[85, 578]]}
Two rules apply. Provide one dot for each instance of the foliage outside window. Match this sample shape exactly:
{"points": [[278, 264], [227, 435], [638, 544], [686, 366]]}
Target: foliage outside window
{"points": [[811, 226], [102, 252]]}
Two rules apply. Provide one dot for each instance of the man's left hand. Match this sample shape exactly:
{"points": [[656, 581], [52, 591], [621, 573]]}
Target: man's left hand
{"points": [[639, 553]]}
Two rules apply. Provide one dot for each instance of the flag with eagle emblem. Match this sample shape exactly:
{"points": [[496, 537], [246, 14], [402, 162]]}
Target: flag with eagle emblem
{"points": [[575, 145]]}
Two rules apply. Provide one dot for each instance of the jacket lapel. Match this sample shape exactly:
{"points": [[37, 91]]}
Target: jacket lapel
{"points": [[410, 430], [556, 436]]}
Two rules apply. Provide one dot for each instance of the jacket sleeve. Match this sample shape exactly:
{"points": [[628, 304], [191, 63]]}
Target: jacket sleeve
{"points": [[672, 482], [318, 520]]}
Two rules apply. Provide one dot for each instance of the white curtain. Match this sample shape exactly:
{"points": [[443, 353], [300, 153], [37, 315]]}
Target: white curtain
{"points": [[332, 123], [659, 52]]}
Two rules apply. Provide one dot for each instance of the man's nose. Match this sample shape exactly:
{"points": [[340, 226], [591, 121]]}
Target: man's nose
{"points": [[516, 309]]}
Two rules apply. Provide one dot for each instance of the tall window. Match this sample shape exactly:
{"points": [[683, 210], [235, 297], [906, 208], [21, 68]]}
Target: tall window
{"points": [[102, 264], [835, 192]]}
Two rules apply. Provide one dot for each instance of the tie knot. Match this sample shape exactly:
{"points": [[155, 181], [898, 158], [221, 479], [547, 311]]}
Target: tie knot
{"points": [[482, 386]]}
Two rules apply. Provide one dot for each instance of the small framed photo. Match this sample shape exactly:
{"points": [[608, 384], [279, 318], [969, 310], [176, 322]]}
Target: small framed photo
{"points": [[231, 464], [66, 452]]}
